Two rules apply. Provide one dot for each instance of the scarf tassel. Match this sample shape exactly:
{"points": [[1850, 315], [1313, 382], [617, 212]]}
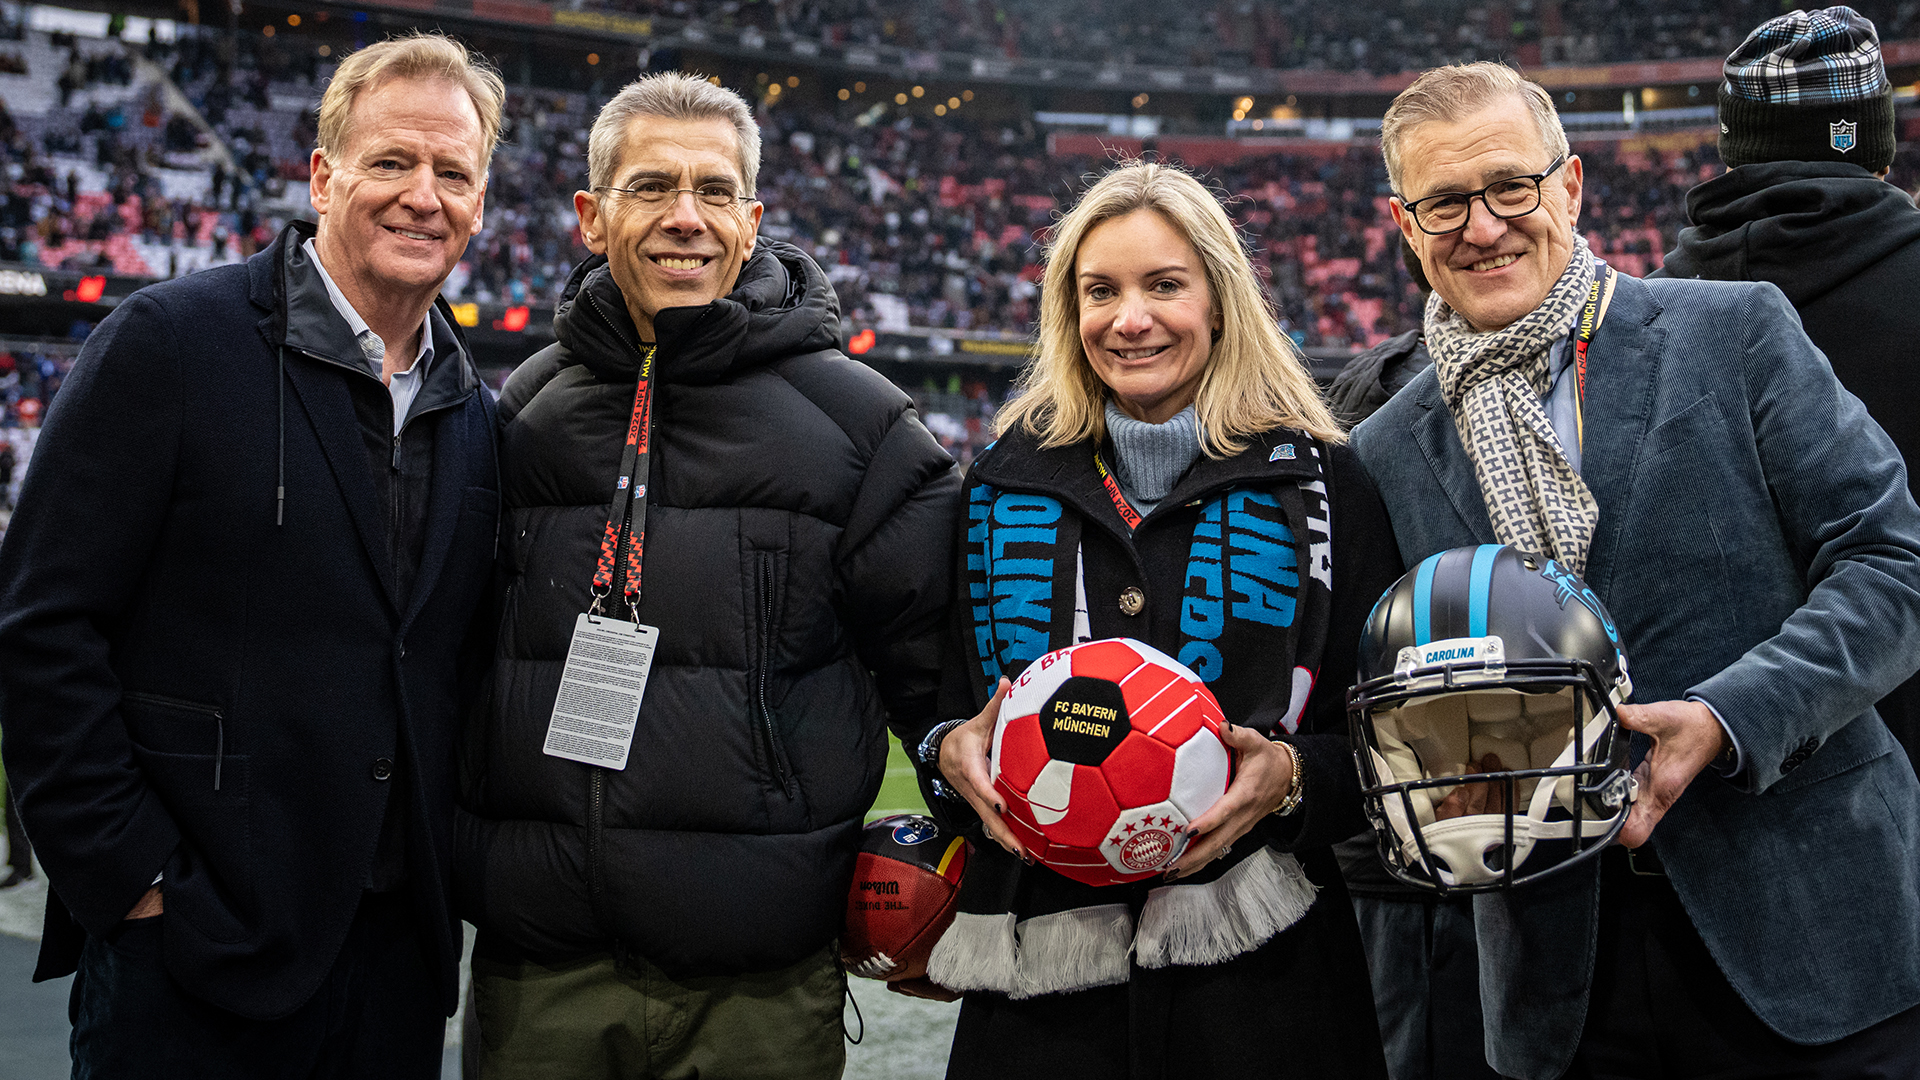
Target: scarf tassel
{"points": [[1234, 914], [1077, 949], [1080, 948]]}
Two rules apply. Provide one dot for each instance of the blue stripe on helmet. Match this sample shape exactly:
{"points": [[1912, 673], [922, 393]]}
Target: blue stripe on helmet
{"points": [[1423, 599], [1479, 586]]}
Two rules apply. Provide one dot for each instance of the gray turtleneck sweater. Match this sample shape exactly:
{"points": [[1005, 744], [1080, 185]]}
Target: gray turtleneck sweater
{"points": [[1150, 458]]}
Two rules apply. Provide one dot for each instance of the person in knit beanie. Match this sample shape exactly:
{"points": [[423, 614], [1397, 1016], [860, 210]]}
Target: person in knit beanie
{"points": [[1808, 86], [1806, 128]]}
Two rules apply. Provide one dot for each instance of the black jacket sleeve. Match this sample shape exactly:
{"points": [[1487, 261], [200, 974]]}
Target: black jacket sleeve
{"points": [[90, 516], [962, 686], [1365, 564], [895, 564]]}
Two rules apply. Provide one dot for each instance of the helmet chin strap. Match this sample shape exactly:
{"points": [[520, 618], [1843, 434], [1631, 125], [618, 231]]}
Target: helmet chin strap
{"points": [[1462, 842]]}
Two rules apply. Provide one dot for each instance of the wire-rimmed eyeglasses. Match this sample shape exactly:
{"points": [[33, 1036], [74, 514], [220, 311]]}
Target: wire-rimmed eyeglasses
{"points": [[1447, 212], [657, 194]]}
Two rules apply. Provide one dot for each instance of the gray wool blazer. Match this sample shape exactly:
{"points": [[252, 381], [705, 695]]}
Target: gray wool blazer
{"points": [[1759, 548]]}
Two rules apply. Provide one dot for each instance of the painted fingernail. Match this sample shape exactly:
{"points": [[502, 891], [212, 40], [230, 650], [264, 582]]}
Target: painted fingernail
{"points": [[1026, 858]]}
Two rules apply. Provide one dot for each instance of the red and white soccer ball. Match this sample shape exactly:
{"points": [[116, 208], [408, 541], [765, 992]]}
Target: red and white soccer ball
{"points": [[1104, 752]]}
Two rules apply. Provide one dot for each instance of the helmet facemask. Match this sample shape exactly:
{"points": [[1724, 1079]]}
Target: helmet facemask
{"points": [[1483, 769]]}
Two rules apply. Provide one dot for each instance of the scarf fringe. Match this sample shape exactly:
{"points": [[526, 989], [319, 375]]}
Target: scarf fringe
{"points": [[1069, 950], [976, 953], [1236, 913], [1073, 950]]}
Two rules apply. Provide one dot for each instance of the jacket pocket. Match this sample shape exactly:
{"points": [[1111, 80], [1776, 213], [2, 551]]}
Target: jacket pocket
{"points": [[209, 879], [765, 596], [177, 726], [1682, 427]]}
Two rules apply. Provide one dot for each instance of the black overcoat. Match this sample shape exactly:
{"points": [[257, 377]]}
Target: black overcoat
{"points": [[188, 687]]}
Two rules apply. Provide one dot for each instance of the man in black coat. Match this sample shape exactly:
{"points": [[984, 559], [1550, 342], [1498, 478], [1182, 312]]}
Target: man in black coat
{"points": [[234, 605], [1806, 122]]}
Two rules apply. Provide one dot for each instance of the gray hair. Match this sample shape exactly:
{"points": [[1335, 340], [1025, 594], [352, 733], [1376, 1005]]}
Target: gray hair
{"points": [[1457, 91], [671, 95]]}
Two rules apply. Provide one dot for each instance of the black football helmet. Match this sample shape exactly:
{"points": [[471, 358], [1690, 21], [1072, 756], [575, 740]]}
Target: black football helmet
{"points": [[1483, 722]]}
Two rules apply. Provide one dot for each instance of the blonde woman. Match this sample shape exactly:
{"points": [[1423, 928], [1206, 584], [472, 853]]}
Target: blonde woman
{"points": [[1168, 461]]}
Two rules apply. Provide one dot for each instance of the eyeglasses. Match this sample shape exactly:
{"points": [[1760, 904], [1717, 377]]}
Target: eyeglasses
{"points": [[1447, 212], [656, 195]]}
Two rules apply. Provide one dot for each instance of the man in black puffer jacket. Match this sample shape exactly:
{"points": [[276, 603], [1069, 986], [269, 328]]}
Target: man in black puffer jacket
{"points": [[1807, 134], [679, 913]]}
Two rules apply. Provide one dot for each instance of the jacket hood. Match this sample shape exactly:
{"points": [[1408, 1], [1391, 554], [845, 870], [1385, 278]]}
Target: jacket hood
{"points": [[781, 306], [1806, 226]]}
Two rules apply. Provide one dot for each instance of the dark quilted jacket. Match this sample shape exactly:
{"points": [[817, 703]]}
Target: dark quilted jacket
{"points": [[798, 546]]}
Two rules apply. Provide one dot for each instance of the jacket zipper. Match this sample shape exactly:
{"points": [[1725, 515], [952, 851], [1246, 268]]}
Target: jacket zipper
{"points": [[396, 500], [766, 665], [219, 722], [611, 325], [596, 775], [596, 845]]}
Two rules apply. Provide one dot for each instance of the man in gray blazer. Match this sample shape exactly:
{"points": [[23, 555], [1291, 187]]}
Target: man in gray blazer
{"points": [[1686, 449]]}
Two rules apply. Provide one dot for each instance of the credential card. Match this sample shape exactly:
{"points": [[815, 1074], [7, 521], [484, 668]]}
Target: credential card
{"points": [[600, 691]]}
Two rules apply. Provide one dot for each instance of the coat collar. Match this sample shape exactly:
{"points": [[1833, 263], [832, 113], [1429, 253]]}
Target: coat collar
{"points": [[299, 314], [1017, 462], [781, 306], [312, 345], [1622, 373]]}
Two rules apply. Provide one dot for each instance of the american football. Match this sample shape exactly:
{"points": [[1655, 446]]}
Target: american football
{"points": [[1105, 751], [905, 881]]}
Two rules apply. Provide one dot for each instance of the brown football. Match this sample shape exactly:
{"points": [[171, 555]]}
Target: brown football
{"points": [[905, 882]]}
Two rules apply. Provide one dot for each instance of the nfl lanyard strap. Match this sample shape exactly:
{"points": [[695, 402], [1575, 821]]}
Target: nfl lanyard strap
{"points": [[597, 705], [630, 490], [1127, 512], [1599, 295]]}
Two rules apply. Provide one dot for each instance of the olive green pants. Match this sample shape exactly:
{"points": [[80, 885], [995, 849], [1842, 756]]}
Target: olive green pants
{"points": [[599, 1018]]}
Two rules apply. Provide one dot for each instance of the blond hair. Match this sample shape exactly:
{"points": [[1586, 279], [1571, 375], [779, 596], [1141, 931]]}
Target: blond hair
{"points": [[1255, 378], [1457, 91], [672, 95], [414, 56]]}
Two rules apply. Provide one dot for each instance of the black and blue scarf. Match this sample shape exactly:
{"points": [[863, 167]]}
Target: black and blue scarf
{"points": [[1254, 610]]}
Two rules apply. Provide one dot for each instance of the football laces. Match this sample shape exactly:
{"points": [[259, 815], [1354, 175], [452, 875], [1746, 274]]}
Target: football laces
{"points": [[877, 966]]}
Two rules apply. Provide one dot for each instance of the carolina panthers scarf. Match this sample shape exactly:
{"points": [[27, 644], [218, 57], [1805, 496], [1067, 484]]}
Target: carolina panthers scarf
{"points": [[1493, 383], [1255, 605]]}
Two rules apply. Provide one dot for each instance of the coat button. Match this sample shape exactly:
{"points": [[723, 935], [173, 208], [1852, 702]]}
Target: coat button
{"points": [[1132, 600], [382, 768]]}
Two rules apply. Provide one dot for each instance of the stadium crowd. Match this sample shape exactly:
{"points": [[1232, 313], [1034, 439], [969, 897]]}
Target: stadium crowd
{"points": [[933, 220], [1403, 35], [919, 222]]}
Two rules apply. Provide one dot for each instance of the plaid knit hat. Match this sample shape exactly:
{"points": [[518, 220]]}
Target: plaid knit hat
{"points": [[1808, 86]]}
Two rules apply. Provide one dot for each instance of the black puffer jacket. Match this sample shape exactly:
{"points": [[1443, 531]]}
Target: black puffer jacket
{"points": [[798, 546], [1371, 378], [1844, 246]]}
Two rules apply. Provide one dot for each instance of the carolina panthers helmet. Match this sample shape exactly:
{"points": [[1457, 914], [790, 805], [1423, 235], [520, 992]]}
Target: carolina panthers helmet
{"points": [[1483, 721]]}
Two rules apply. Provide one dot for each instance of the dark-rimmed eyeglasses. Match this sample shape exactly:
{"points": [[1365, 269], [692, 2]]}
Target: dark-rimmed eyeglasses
{"points": [[657, 194], [1447, 212]]}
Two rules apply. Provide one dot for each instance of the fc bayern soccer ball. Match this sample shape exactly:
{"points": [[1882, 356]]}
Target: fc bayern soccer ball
{"points": [[1104, 752]]}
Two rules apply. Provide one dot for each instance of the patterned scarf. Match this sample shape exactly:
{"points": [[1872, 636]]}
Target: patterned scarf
{"points": [[1493, 383]]}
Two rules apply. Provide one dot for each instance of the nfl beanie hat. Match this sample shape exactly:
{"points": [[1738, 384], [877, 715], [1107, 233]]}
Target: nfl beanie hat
{"points": [[1808, 86]]}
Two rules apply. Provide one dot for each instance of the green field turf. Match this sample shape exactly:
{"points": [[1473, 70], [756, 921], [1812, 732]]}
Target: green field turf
{"points": [[899, 792]]}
